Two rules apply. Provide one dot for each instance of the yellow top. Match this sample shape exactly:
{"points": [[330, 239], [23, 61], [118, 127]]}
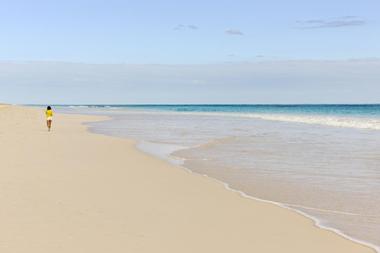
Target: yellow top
{"points": [[49, 113]]}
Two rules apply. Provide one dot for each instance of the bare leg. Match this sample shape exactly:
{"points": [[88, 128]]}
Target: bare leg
{"points": [[49, 124]]}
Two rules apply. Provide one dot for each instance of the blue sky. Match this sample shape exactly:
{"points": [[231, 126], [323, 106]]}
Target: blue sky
{"points": [[144, 31], [185, 33]]}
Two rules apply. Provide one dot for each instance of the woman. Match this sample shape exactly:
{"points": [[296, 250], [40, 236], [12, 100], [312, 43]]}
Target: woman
{"points": [[49, 117]]}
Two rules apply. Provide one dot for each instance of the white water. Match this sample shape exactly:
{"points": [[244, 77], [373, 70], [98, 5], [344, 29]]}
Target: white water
{"points": [[325, 167]]}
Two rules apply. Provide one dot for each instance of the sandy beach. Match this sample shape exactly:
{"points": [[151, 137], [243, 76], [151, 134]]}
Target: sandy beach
{"points": [[70, 190]]}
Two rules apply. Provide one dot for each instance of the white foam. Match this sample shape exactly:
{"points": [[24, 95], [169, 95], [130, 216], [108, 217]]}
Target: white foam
{"points": [[317, 222], [161, 150], [333, 120], [164, 151]]}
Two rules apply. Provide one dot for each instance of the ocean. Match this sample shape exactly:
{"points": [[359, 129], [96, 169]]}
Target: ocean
{"points": [[320, 160]]}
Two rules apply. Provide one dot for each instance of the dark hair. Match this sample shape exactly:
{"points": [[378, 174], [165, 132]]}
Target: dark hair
{"points": [[49, 108]]}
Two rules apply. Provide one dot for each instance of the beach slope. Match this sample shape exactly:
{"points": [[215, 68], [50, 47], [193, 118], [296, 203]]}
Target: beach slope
{"points": [[73, 191]]}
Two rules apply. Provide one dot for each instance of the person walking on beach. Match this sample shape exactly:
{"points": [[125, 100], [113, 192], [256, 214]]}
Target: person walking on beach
{"points": [[49, 117]]}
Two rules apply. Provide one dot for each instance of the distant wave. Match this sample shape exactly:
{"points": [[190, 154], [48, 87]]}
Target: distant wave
{"points": [[346, 121], [336, 121], [327, 120]]}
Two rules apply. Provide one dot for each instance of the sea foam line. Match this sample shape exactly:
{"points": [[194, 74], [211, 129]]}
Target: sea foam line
{"points": [[334, 121], [317, 222]]}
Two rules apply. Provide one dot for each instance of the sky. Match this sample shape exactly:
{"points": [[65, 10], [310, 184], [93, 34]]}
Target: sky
{"points": [[189, 51]]}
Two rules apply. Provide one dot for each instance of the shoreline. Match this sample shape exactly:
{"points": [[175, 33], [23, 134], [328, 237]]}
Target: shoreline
{"points": [[317, 223], [172, 160], [145, 147], [199, 210]]}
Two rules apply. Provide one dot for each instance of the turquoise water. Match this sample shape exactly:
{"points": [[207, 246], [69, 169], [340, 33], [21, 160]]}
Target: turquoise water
{"points": [[352, 116], [371, 110], [322, 160]]}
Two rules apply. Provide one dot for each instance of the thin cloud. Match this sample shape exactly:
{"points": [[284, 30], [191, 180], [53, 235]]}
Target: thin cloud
{"points": [[308, 81], [193, 27], [185, 27], [179, 27], [234, 32], [344, 21]]}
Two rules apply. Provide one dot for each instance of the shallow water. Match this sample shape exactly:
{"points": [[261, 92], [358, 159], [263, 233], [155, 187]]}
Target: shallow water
{"points": [[330, 171]]}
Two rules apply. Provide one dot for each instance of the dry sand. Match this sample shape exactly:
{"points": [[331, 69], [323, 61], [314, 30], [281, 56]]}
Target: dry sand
{"points": [[73, 191]]}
